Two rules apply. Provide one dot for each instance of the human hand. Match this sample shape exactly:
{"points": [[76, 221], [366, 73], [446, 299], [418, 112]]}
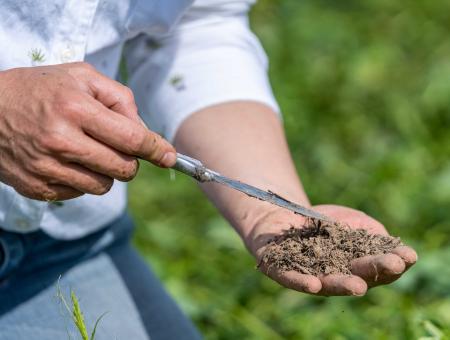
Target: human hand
{"points": [[367, 272], [66, 130]]}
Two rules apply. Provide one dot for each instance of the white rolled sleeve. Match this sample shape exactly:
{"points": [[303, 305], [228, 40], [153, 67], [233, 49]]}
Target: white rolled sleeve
{"points": [[211, 57]]}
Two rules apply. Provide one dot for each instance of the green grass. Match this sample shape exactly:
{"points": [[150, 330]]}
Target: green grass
{"points": [[76, 314], [365, 92]]}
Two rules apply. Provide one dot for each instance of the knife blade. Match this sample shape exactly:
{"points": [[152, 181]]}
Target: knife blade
{"points": [[194, 168]]}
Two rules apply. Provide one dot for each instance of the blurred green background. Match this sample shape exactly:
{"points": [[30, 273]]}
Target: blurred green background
{"points": [[364, 87]]}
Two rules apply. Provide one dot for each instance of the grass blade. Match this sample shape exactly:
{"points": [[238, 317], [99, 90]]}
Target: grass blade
{"points": [[96, 324], [78, 317]]}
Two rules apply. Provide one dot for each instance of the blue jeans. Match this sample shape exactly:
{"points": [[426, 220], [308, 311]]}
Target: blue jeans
{"points": [[105, 273]]}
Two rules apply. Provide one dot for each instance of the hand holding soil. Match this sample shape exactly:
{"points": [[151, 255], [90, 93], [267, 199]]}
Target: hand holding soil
{"points": [[323, 259]]}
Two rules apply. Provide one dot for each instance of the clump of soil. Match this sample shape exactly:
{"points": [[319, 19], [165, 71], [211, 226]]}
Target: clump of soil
{"points": [[323, 248]]}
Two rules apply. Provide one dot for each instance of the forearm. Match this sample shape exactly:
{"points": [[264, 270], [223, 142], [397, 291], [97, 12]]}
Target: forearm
{"points": [[244, 141]]}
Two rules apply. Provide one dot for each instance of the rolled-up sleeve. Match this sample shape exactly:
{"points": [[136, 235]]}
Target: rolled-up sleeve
{"points": [[211, 57]]}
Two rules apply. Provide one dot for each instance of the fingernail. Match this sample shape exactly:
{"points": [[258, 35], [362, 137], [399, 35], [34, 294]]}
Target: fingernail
{"points": [[312, 290], [168, 160], [358, 293]]}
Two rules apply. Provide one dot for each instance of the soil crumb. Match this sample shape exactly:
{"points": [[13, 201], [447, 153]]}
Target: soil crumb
{"points": [[323, 248]]}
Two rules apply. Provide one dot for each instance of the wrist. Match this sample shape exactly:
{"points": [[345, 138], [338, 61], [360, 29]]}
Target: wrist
{"points": [[251, 215]]}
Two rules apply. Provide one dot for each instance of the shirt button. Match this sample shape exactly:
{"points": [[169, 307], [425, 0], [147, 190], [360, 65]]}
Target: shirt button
{"points": [[67, 55], [22, 224]]}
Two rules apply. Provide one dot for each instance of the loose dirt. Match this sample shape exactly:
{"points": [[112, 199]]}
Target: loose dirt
{"points": [[323, 248]]}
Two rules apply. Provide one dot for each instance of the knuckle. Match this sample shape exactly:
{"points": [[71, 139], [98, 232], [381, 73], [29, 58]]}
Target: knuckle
{"points": [[40, 167], [84, 66], [80, 69], [56, 142], [136, 141], [126, 98], [156, 151], [129, 100], [128, 94], [66, 103], [49, 194], [40, 191]]}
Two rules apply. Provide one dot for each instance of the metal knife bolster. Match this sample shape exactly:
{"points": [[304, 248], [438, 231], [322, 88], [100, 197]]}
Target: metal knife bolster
{"points": [[194, 168]]}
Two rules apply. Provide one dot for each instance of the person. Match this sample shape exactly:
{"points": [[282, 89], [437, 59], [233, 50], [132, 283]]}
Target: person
{"points": [[71, 135]]}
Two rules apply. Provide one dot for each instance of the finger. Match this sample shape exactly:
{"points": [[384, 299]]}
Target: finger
{"points": [[408, 255], [61, 193], [127, 136], [109, 92], [378, 269], [338, 284], [30, 184], [102, 159], [80, 179], [75, 177], [352, 217], [52, 192], [294, 280], [114, 96]]}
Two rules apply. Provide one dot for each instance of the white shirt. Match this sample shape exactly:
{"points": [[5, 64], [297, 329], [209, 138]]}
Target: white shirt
{"points": [[181, 58]]}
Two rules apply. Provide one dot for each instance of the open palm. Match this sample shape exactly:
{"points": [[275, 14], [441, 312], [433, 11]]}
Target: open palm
{"points": [[367, 272]]}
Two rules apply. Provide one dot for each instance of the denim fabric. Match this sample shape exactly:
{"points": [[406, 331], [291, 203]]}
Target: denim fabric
{"points": [[106, 274]]}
